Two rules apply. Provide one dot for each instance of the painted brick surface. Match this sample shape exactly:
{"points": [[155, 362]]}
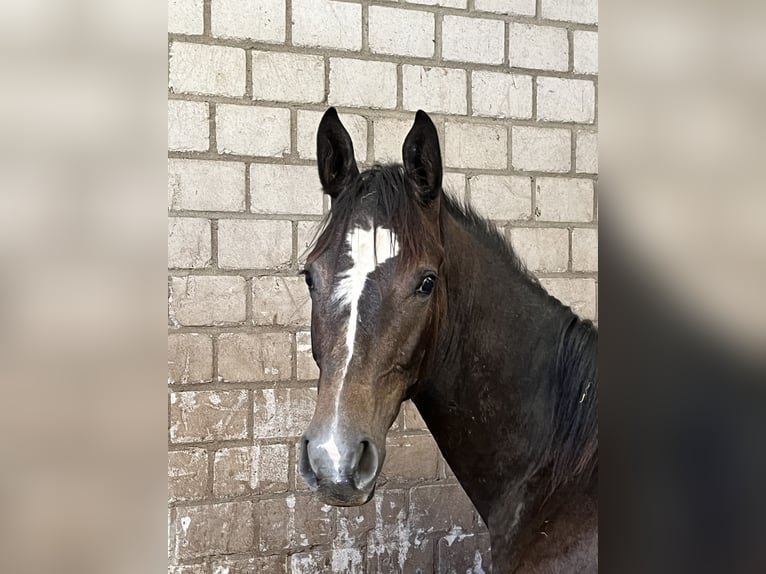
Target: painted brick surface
{"points": [[514, 101], [403, 32], [260, 20], [188, 126], [472, 40], [538, 47], [201, 69], [288, 77]]}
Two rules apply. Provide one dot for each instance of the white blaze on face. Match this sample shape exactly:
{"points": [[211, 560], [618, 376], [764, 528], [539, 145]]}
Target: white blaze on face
{"points": [[368, 249]]}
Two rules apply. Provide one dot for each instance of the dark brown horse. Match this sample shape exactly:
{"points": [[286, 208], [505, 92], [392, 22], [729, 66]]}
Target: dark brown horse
{"points": [[414, 296]]}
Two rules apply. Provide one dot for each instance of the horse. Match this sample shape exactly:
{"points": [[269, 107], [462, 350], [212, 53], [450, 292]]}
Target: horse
{"points": [[416, 296]]}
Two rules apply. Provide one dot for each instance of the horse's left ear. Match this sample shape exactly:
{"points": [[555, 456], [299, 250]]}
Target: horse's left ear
{"points": [[422, 157]]}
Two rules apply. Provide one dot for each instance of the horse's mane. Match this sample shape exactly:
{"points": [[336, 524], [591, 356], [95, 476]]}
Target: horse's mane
{"points": [[573, 450]]}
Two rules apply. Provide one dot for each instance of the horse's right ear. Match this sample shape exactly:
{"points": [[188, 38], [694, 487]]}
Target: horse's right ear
{"points": [[335, 154], [422, 157]]}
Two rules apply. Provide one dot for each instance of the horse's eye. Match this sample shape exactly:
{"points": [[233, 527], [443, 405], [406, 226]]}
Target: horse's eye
{"points": [[427, 285], [309, 280]]}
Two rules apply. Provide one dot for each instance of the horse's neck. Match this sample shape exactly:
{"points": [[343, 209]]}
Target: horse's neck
{"points": [[486, 397]]}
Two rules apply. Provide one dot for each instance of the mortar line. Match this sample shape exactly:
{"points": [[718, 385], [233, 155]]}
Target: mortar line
{"points": [[212, 126], [207, 18], [289, 22]]}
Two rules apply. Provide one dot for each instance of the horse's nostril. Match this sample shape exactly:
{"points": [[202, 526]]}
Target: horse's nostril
{"points": [[367, 467], [306, 470]]}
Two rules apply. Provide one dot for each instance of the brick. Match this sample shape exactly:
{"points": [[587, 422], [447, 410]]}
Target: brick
{"points": [[214, 529], [281, 301], [293, 189], [412, 418], [582, 11], [522, 7], [564, 199], [311, 562], [327, 24], [445, 3], [293, 522], [584, 249], [579, 294], [434, 89], [308, 123], [261, 469], [385, 551], [502, 197], [501, 95], [388, 138], [586, 152], [248, 357], [188, 126], [188, 569], [307, 367], [250, 130], [288, 77], [254, 565], [585, 48], [411, 458], [281, 413], [207, 300], [542, 249], [565, 100], [473, 40], [185, 17], [461, 551], [538, 47], [204, 69], [259, 20], [401, 32], [477, 146], [248, 244], [200, 185], [453, 184], [441, 507], [188, 243], [187, 474], [361, 83], [190, 358], [200, 416], [541, 149]]}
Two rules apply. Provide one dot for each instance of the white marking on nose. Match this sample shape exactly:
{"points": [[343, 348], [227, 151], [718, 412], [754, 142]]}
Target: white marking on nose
{"points": [[332, 451]]}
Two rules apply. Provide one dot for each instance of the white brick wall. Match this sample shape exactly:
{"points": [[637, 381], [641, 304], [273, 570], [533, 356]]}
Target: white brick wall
{"points": [[501, 95], [188, 126], [522, 7], [566, 100], [511, 86], [327, 23], [404, 32], [541, 149], [250, 130], [434, 89], [201, 69], [585, 48], [538, 47], [585, 11], [501, 197], [473, 40], [259, 20], [185, 17], [288, 77], [361, 83], [478, 146]]}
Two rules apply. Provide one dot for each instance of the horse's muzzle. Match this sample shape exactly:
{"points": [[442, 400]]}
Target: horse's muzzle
{"points": [[339, 469]]}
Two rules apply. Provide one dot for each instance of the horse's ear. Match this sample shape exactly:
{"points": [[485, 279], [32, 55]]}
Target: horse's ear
{"points": [[422, 157], [335, 154]]}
